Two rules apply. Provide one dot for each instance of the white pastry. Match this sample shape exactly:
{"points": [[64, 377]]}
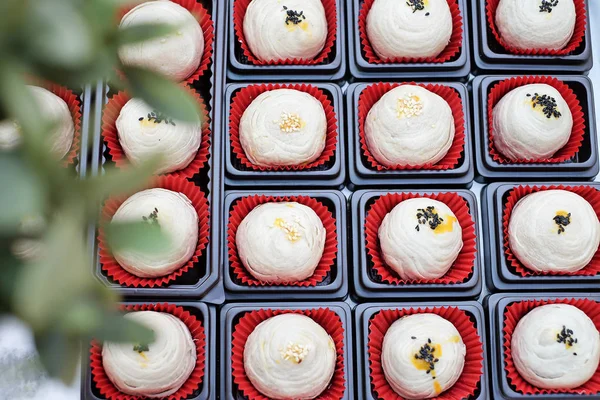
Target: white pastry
{"points": [[409, 125], [177, 219], [283, 127], [10, 138], [288, 29], [141, 137], [289, 356], [398, 29], [556, 346], [411, 347], [554, 230], [420, 239], [521, 127], [176, 55], [281, 242], [535, 24], [157, 369]]}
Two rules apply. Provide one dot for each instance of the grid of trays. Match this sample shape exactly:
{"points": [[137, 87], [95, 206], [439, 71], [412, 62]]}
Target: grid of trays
{"points": [[348, 185]]}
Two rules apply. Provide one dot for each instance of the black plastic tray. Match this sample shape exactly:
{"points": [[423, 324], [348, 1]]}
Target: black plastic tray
{"points": [[365, 285], [330, 174], [335, 284], [489, 55], [496, 304], [230, 315], [361, 174], [499, 276], [208, 316], [585, 164], [240, 69], [200, 280], [365, 312], [457, 68]]}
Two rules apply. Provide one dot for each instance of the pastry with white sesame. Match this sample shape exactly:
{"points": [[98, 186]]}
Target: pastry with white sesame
{"points": [[554, 231], [290, 356], [176, 217], [409, 28], [281, 242], [153, 370], [144, 133], [176, 55], [409, 126], [420, 239], [285, 29], [531, 122], [556, 346], [283, 127], [422, 356]]}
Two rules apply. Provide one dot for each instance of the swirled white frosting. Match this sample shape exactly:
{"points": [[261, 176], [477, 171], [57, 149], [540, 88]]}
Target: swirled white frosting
{"points": [[548, 357], [10, 138], [289, 356], [159, 371], [176, 141], [523, 25], [411, 247], [283, 127], [533, 232], [423, 336], [409, 125], [270, 38], [178, 220], [176, 55], [397, 29], [281, 242], [522, 131]]}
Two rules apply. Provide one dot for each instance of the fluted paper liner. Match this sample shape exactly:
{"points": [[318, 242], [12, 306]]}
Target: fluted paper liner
{"points": [[112, 110], [325, 317], [208, 31], [462, 268], [589, 193], [570, 149], [242, 99], [373, 93], [472, 373], [109, 391], [576, 39], [331, 15], [451, 51], [513, 314], [242, 208], [200, 204]]}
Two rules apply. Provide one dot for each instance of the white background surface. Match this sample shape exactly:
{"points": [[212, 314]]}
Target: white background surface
{"points": [[16, 341]]}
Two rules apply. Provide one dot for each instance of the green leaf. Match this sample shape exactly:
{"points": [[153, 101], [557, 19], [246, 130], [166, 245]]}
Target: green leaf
{"points": [[116, 328], [143, 32], [141, 237], [161, 93], [59, 354]]}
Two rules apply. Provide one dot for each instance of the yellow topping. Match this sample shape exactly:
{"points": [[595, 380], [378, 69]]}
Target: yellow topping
{"points": [[447, 225], [562, 213], [409, 106], [302, 25], [437, 387], [294, 352], [291, 230], [290, 122], [454, 339], [423, 365]]}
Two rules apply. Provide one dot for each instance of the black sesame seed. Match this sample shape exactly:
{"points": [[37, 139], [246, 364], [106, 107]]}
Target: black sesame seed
{"points": [[413, 337]]}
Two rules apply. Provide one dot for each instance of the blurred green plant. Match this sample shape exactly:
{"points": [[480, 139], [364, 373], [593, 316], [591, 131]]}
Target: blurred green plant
{"points": [[72, 43]]}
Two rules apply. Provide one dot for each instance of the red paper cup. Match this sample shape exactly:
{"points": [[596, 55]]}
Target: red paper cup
{"points": [[200, 204], [242, 99], [111, 135], [462, 268], [208, 31], [373, 93], [239, 12], [569, 150], [464, 388], [328, 320], [513, 314], [109, 391], [576, 39], [451, 51], [589, 193], [246, 204]]}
